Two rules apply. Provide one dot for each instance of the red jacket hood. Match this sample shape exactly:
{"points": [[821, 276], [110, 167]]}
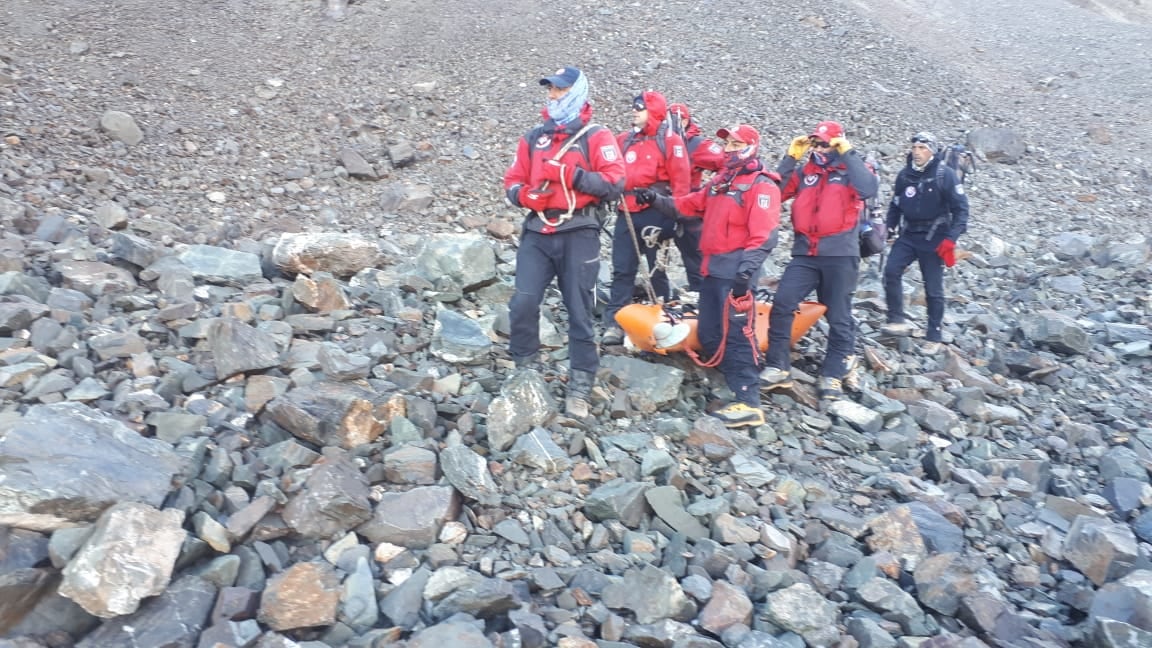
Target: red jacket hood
{"points": [[657, 111]]}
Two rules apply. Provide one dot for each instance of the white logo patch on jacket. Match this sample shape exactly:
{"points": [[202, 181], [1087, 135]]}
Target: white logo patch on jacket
{"points": [[764, 201], [811, 179], [910, 191], [608, 153], [678, 151]]}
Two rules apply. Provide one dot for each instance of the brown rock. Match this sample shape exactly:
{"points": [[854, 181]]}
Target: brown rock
{"points": [[500, 228], [896, 533], [320, 293], [302, 596], [330, 413], [728, 606], [260, 389]]}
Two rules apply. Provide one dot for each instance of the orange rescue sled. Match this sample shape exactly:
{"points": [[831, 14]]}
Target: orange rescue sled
{"points": [[640, 321]]}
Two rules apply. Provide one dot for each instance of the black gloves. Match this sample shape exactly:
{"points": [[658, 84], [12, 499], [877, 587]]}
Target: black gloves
{"points": [[740, 284], [645, 196]]}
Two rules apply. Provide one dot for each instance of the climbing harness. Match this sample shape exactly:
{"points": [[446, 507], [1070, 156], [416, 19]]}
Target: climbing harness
{"points": [[569, 192]]}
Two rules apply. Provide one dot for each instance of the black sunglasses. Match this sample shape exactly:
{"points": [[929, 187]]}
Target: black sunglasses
{"points": [[638, 105]]}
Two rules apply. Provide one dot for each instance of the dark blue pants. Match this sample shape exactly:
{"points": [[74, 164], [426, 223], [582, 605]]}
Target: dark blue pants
{"points": [[834, 279], [741, 358], [688, 242], [908, 248], [651, 227], [573, 259]]}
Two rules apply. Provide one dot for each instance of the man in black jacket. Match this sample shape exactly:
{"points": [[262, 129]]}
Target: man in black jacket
{"points": [[930, 210]]}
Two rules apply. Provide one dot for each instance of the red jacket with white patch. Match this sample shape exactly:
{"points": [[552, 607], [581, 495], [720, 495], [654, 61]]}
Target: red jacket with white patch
{"points": [[741, 219], [599, 178], [645, 164]]}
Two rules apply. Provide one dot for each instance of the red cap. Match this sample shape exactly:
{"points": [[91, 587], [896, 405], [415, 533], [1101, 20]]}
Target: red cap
{"points": [[680, 110], [742, 133], [826, 131]]}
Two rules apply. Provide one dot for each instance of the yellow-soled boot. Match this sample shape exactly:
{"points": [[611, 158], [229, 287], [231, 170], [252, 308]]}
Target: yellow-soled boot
{"points": [[738, 415]]}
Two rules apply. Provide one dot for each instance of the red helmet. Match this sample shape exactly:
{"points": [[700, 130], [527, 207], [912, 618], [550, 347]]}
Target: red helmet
{"points": [[826, 131]]}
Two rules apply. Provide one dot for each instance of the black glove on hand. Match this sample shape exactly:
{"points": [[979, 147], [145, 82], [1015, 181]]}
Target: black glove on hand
{"points": [[645, 196], [740, 285]]}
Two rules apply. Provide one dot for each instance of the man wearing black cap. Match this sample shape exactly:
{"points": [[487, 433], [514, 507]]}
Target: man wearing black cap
{"points": [[829, 190], [930, 209], [654, 158], [740, 209], [564, 168]]}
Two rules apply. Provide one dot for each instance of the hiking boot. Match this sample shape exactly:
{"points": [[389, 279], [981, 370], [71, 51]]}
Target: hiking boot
{"points": [[773, 378], [613, 336], [577, 407], [831, 388], [530, 362], [898, 329], [576, 404], [738, 415], [931, 348], [852, 373]]}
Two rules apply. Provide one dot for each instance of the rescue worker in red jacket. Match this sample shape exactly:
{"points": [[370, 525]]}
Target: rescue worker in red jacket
{"points": [[740, 211], [655, 158], [829, 191], [703, 155], [564, 168]]}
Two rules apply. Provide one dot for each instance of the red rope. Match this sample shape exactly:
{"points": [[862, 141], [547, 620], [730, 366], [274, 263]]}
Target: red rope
{"points": [[744, 303]]}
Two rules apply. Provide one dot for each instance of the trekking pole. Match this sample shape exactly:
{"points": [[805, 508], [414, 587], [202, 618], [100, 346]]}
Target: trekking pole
{"points": [[642, 261]]}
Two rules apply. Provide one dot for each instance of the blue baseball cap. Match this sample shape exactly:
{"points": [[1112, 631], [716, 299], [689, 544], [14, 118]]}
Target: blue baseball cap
{"points": [[562, 78]]}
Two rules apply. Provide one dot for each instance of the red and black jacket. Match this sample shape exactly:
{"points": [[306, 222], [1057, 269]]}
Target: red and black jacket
{"points": [[654, 157], [599, 178], [741, 216], [828, 203]]}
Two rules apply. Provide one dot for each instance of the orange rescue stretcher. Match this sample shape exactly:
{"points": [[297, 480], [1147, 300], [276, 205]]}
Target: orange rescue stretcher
{"points": [[652, 327]]}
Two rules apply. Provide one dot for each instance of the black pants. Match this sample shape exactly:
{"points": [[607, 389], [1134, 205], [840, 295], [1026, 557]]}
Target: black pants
{"points": [[573, 259], [741, 358], [908, 248], [834, 279], [688, 242], [651, 227]]}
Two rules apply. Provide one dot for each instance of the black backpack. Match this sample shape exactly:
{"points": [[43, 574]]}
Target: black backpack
{"points": [[873, 229], [956, 157]]}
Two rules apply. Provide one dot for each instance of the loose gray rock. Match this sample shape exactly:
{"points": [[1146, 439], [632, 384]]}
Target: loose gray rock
{"points": [[174, 618], [65, 463], [121, 126], [412, 518]]}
